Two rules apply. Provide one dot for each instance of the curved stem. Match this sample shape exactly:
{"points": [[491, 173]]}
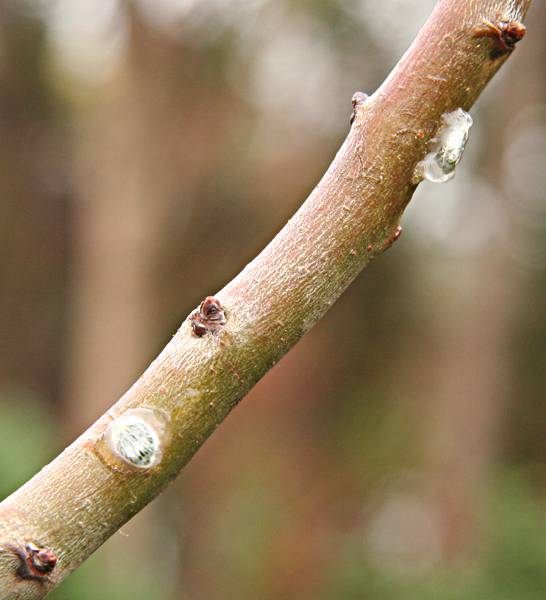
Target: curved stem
{"points": [[55, 521]]}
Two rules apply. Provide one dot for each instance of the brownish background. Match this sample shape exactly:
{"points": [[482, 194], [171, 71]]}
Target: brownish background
{"points": [[148, 150]]}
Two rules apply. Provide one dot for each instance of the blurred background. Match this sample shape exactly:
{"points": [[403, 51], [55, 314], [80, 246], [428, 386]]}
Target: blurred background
{"points": [[148, 150]]}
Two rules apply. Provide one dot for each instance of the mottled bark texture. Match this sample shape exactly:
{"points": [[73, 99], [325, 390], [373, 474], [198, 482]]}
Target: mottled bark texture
{"points": [[54, 522]]}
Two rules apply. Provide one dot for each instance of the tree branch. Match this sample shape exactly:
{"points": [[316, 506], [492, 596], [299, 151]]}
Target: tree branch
{"points": [[55, 521]]}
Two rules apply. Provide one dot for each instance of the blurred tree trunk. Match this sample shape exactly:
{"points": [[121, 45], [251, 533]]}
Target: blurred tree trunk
{"points": [[468, 390], [33, 211], [465, 372], [472, 393], [140, 184]]}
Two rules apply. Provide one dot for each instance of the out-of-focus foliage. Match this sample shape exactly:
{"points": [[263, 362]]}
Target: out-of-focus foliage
{"points": [[510, 565], [148, 150], [27, 438]]}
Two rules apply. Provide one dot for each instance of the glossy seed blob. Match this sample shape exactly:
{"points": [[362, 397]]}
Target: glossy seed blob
{"points": [[448, 146], [134, 438]]}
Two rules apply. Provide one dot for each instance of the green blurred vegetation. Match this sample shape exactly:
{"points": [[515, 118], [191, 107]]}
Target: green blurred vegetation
{"points": [[510, 565], [27, 438]]}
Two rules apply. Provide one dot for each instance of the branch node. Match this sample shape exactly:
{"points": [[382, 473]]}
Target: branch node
{"points": [[505, 35], [209, 317], [35, 562], [358, 100], [392, 238]]}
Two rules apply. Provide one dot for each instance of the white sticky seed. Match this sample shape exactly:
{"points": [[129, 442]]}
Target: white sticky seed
{"points": [[447, 148], [136, 438]]}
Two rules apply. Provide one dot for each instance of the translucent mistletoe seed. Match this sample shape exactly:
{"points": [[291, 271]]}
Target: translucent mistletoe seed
{"points": [[447, 148]]}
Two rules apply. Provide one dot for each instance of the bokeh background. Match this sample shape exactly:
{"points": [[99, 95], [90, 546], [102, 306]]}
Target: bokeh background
{"points": [[148, 150]]}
